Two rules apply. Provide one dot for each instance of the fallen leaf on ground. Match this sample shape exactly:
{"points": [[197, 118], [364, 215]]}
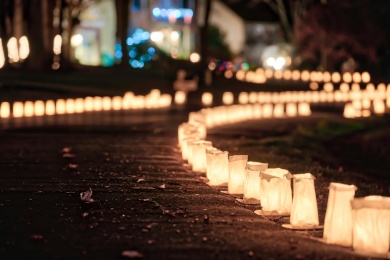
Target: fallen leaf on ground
{"points": [[86, 196], [132, 254]]}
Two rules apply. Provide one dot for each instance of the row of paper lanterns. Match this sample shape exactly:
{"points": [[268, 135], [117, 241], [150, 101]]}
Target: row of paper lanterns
{"points": [[360, 223], [221, 115], [261, 76], [153, 100]]}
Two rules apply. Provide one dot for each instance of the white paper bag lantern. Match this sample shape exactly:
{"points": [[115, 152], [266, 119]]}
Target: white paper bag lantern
{"points": [[338, 217], [275, 191], [237, 171], [371, 225], [209, 157], [252, 182], [218, 168], [184, 147], [199, 155], [304, 211]]}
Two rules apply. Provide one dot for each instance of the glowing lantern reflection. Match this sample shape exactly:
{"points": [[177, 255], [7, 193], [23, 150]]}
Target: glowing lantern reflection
{"points": [[304, 211], [275, 191], [251, 193], [338, 217], [371, 225], [237, 171]]}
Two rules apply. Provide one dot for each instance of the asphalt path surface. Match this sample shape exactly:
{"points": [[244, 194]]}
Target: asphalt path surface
{"points": [[145, 202]]}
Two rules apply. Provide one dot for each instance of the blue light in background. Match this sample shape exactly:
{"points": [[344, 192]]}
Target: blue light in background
{"points": [[129, 41], [151, 51], [118, 54]]}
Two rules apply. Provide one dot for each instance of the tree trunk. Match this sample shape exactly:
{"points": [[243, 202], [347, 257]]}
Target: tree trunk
{"points": [[4, 13], [204, 39], [123, 7], [36, 59]]}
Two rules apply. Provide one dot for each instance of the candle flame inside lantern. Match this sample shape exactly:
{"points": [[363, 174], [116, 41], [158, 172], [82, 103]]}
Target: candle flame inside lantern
{"points": [[60, 106], [79, 105]]}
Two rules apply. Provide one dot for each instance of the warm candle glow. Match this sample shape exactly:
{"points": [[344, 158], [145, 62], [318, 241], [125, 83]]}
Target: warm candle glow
{"points": [[304, 109], [60, 106], [88, 103], [313, 85], [180, 97], [207, 99], [243, 98], [28, 108], [97, 103], [305, 75], [347, 77], [336, 77], [17, 109], [79, 105], [251, 193], [366, 77], [116, 103], [5, 110], [227, 98], [69, 106], [50, 107], [106, 103], [344, 87], [328, 87], [296, 75], [39, 108], [356, 77]]}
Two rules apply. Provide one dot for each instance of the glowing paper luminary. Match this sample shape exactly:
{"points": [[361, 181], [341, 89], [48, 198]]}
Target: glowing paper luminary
{"points": [[28, 108], [291, 109], [251, 193], [237, 171], [106, 103], [5, 110], [207, 99], [69, 106], [243, 98], [304, 211], [218, 167], [199, 155], [60, 106], [79, 105], [227, 98], [116, 103], [185, 148], [180, 97], [338, 217], [50, 107], [371, 225], [278, 110], [304, 109], [275, 191], [17, 109], [39, 108]]}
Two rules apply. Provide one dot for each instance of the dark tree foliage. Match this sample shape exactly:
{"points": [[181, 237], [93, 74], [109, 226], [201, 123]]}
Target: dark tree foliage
{"points": [[331, 32]]}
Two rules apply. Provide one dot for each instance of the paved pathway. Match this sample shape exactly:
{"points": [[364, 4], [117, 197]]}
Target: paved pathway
{"points": [[147, 203]]}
